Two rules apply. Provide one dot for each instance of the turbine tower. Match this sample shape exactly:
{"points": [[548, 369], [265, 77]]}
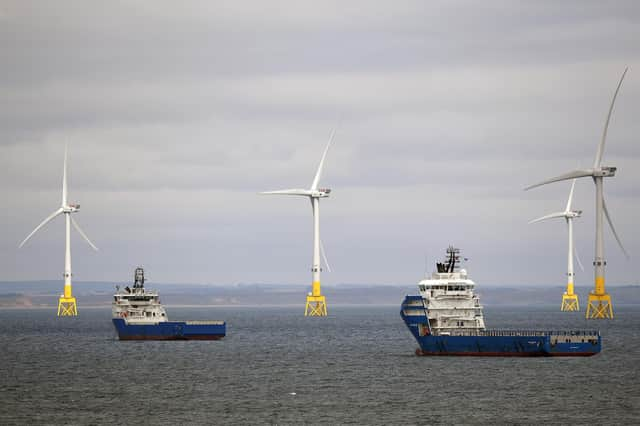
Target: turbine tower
{"points": [[67, 303], [569, 298], [599, 303], [316, 305]]}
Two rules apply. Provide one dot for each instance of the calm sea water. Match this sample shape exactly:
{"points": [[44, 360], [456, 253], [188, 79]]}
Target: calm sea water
{"points": [[277, 367]]}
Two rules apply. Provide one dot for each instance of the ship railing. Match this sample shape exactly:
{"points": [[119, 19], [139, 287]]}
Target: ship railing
{"points": [[205, 322], [453, 295], [414, 303], [136, 312], [575, 333], [516, 333]]}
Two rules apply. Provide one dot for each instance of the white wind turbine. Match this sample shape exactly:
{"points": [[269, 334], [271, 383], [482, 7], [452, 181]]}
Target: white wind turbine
{"points": [[67, 303], [599, 305], [316, 303], [569, 298]]}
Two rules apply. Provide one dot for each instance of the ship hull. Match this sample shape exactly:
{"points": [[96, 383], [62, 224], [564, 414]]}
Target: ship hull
{"points": [[502, 346], [420, 352], [170, 330], [502, 343]]}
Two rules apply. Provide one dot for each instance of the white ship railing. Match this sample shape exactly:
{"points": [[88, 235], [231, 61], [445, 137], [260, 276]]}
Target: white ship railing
{"points": [[516, 333]]}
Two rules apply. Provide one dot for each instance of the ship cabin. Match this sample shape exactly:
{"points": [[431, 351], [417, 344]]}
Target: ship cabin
{"points": [[133, 298], [452, 284], [136, 295], [448, 296], [137, 304]]}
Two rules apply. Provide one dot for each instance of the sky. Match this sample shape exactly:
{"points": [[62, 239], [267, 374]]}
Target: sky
{"points": [[176, 116]]}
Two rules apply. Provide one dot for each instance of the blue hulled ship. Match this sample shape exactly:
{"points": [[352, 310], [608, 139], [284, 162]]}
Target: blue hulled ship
{"points": [[139, 315], [446, 318]]}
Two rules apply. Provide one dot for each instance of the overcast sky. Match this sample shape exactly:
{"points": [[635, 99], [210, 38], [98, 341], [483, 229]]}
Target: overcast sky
{"points": [[178, 113]]}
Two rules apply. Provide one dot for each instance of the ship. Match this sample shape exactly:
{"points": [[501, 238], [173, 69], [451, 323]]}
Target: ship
{"points": [[139, 315], [446, 318]]}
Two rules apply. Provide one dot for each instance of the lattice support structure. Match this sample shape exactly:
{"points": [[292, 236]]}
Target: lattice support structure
{"points": [[599, 306], [316, 306], [67, 307], [570, 303]]}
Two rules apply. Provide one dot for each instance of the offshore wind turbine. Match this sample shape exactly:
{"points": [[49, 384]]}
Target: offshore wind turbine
{"points": [[599, 304], [569, 298], [66, 303], [316, 305]]}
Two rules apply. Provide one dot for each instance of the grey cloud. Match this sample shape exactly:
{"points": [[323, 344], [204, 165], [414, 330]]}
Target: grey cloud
{"points": [[177, 116]]}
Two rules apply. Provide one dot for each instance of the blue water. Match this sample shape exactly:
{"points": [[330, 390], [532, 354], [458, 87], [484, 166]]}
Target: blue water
{"points": [[277, 367]]}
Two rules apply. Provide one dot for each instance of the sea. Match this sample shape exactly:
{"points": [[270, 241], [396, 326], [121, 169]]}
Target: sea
{"points": [[276, 367]]}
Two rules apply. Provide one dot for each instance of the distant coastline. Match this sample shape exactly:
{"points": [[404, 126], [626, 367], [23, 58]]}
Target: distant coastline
{"points": [[44, 294]]}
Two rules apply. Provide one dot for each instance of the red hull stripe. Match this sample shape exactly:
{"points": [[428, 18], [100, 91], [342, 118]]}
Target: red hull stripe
{"points": [[194, 337]]}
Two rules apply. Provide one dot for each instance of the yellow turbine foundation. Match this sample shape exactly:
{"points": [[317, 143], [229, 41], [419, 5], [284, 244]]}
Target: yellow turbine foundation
{"points": [[570, 303], [599, 305], [570, 300], [67, 306], [316, 303]]}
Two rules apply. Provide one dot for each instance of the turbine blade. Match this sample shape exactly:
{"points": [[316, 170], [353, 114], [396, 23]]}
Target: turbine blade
{"points": [[549, 216], [324, 256], [64, 178], [613, 229], [316, 179], [43, 223], [288, 192], [575, 252], [571, 175], [600, 151], [81, 232], [573, 185]]}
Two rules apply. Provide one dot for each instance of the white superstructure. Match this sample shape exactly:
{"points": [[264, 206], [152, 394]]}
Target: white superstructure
{"points": [[137, 305], [449, 298]]}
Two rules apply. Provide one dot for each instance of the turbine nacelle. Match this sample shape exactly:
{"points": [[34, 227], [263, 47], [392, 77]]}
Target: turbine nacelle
{"points": [[71, 208], [597, 173], [573, 214], [66, 208], [314, 193], [320, 193], [568, 213], [605, 171]]}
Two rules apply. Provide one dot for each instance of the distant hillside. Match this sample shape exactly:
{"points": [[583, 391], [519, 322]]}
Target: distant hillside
{"points": [[45, 293]]}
